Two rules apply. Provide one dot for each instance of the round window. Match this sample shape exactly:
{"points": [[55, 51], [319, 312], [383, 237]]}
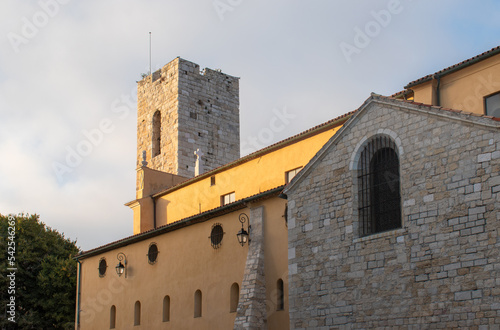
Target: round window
{"points": [[216, 235], [152, 253], [102, 267]]}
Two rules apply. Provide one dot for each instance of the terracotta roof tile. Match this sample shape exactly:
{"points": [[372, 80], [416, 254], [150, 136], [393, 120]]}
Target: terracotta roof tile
{"points": [[454, 67], [337, 121], [440, 108]]}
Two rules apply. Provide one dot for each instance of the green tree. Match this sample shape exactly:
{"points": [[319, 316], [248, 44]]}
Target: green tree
{"points": [[45, 279]]}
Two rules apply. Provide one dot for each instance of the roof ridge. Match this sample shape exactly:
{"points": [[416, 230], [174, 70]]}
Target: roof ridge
{"points": [[440, 107], [239, 204], [260, 152], [484, 55]]}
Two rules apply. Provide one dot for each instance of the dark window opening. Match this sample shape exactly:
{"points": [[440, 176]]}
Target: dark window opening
{"points": [[112, 317], [285, 215], [379, 187], [216, 235], [212, 180], [166, 309], [137, 313], [280, 301], [152, 253], [492, 105], [156, 134], [102, 267], [234, 298], [197, 303]]}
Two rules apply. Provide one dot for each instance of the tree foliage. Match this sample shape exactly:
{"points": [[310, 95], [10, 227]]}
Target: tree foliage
{"points": [[45, 279]]}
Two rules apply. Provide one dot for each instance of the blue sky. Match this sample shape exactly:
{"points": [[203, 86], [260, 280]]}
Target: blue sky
{"points": [[67, 67]]}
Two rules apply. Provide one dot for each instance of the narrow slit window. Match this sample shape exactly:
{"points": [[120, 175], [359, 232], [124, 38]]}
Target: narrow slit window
{"points": [[137, 313], [166, 309], [197, 303], [280, 296], [112, 317], [156, 134], [234, 298]]}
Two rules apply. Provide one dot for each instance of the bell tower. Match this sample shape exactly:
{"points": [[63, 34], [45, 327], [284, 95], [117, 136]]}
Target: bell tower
{"points": [[180, 110]]}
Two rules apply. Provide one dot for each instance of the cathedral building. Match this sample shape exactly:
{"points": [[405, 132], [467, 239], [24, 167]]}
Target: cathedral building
{"points": [[386, 216]]}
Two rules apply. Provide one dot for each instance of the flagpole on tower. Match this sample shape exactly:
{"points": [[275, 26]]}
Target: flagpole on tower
{"points": [[150, 53]]}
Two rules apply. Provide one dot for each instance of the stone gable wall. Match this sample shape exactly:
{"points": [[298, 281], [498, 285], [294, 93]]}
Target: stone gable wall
{"points": [[441, 269]]}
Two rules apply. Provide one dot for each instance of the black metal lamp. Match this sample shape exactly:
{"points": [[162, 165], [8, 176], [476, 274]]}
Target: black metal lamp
{"points": [[121, 268], [243, 235]]}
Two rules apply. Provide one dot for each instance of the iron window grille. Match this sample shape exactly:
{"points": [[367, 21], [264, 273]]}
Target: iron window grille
{"points": [[102, 267], [152, 253], [216, 235], [379, 187]]}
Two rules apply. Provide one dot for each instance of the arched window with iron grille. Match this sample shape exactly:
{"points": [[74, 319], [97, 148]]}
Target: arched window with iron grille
{"points": [[379, 187]]}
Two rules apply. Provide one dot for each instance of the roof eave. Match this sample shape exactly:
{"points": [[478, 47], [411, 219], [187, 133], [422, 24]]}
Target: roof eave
{"points": [[456, 67], [238, 205]]}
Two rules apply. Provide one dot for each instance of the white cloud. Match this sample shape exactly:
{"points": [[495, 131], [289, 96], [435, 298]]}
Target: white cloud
{"points": [[90, 54]]}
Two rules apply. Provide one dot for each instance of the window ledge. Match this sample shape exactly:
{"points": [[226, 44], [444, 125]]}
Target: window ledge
{"points": [[394, 232]]}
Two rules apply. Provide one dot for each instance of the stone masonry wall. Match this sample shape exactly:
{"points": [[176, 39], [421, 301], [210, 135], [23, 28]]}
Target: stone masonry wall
{"points": [[198, 110], [251, 312], [159, 91], [209, 118], [441, 269]]}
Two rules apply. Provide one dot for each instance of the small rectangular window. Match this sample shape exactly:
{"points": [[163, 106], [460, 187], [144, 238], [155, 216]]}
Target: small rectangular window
{"points": [[212, 180], [291, 174], [227, 199], [492, 105]]}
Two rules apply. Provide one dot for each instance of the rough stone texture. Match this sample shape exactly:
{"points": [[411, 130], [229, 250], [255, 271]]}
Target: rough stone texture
{"points": [[198, 110], [251, 312], [441, 269]]}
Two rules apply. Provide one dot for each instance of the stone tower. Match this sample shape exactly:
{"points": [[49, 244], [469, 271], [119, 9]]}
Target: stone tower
{"points": [[180, 110]]}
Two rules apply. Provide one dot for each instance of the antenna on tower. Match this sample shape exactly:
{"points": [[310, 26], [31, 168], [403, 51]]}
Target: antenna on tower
{"points": [[150, 53]]}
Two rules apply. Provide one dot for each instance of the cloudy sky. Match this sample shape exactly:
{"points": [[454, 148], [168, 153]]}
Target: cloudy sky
{"points": [[68, 72]]}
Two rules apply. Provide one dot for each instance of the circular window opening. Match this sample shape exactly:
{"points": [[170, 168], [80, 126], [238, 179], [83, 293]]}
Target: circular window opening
{"points": [[216, 235], [102, 267], [152, 253]]}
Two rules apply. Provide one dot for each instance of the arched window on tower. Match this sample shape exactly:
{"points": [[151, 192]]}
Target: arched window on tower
{"points": [[379, 188], [156, 134]]}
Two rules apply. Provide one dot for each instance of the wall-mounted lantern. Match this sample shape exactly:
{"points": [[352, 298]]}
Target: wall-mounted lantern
{"points": [[243, 235], [121, 268]]}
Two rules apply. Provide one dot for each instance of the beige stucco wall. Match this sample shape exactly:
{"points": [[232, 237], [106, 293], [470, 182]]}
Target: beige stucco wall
{"points": [[186, 263]]}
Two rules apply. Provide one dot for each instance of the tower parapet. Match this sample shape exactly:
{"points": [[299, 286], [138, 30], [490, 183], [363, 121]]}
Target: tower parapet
{"points": [[181, 109]]}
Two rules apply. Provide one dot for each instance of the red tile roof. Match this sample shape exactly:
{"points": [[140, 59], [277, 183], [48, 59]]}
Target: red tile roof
{"points": [[437, 107], [207, 215], [455, 67], [338, 121]]}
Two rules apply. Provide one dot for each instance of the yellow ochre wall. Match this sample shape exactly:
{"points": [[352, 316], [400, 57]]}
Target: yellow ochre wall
{"points": [[247, 179], [186, 263], [464, 89]]}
